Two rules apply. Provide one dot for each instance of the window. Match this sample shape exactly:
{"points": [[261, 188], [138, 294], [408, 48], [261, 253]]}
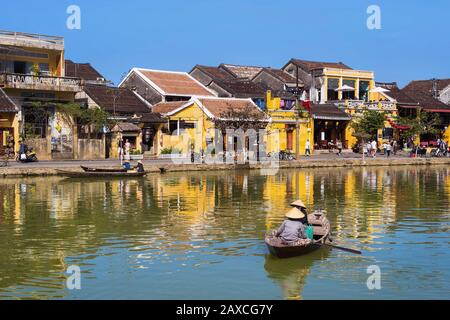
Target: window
{"points": [[43, 67], [332, 84], [363, 90], [173, 126], [348, 95], [388, 133]]}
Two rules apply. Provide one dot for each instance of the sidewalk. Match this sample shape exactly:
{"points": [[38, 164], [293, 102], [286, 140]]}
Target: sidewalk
{"points": [[44, 168]]}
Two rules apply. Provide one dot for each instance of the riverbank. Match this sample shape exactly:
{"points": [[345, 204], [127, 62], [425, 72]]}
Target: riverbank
{"points": [[51, 169]]}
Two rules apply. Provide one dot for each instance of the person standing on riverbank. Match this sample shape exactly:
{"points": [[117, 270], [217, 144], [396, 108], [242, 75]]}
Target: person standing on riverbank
{"points": [[120, 149], [373, 148], [127, 148]]}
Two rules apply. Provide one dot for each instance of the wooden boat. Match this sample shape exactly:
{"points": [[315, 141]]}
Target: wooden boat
{"points": [[96, 174], [322, 230], [87, 169]]}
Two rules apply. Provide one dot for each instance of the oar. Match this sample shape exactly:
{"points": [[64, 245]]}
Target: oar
{"points": [[342, 248]]}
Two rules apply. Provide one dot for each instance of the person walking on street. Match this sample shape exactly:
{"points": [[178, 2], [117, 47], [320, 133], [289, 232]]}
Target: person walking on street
{"points": [[384, 148], [388, 149], [339, 147], [308, 148], [394, 147]]}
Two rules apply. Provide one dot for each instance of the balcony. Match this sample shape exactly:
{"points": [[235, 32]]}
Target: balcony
{"points": [[45, 83], [31, 40], [361, 105]]}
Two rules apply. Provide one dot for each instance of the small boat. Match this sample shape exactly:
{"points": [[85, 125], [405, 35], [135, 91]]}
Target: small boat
{"points": [[97, 174], [87, 169], [322, 230]]}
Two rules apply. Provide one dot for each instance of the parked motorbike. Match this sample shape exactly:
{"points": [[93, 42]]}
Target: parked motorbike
{"points": [[29, 156]]}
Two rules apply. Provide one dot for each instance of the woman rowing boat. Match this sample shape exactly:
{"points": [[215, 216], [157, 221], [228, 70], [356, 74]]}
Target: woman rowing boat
{"points": [[293, 229]]}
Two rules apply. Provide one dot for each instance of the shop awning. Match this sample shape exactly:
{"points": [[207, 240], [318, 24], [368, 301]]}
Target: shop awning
{"points": [[438, 110], [399, 126], [328, 111]]}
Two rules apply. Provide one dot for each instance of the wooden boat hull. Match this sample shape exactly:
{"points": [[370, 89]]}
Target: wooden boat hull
{"points": [[87, 169], [94, 174], [322, 231]]}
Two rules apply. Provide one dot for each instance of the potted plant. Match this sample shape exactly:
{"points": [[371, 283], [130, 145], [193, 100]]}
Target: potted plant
{"points": [[136, 155], [170, 152]]}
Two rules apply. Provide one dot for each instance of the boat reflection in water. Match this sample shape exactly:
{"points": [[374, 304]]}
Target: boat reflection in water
{"points": [[291, 274]]}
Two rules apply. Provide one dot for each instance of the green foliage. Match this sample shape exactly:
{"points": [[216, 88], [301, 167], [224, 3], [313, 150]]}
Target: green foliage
{"points": [[35, 70], [74, 113], [424, 123], [170, 150], [135, 152], [368, 125]]}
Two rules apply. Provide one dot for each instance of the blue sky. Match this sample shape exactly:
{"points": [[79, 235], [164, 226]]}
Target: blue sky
{"points": [[414, 42]]}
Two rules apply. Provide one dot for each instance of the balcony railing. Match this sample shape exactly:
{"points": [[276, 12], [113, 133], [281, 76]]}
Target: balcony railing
{"points": [[31, 40], [28, 81], [363, 105]]}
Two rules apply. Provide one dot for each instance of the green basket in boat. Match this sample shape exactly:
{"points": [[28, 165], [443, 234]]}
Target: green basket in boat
{"points": [[309, 232]]}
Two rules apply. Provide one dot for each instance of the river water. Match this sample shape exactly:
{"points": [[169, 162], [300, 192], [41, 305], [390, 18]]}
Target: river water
{"points": [[200, 235]]}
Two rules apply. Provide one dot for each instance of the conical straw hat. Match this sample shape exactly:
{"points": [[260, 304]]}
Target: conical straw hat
{"points": [[294, 213], [298, 203]]}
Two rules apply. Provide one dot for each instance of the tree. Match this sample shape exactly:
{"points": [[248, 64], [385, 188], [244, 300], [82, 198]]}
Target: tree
{"points": [[245, 119], [367, 126], [72, 113], [423, 123]]}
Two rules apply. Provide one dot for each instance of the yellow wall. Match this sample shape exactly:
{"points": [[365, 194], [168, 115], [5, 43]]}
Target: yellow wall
{"points": [[278, 131], [11, 120], [197, 136], [446, 136], [55, 60]]}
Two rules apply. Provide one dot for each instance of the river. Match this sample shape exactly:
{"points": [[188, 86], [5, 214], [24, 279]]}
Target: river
{"points": [[200, 235]]}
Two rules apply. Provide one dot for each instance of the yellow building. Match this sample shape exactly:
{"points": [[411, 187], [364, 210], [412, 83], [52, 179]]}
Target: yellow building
{"points": [[32, 75], [350, 90], [288, 130], [191, 125]]}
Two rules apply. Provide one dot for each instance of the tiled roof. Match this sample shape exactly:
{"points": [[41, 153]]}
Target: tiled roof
{"points": [[422, 92], [216, 73], [166, 107], [152, 117], [125, 127], [6, 104], [281, 75], [310, 65], [328, 111], [396, 93], [219, 106], [82, 70], [427, 85], [174, 83], [125, 100], [243, 88], [245, 72]]}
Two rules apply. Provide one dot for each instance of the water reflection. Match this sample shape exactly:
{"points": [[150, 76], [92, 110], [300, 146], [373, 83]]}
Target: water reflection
{"points": [[206, 220]]}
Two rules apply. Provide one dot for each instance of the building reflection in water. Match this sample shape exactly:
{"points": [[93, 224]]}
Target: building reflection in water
{"points": [[45, 221]]}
